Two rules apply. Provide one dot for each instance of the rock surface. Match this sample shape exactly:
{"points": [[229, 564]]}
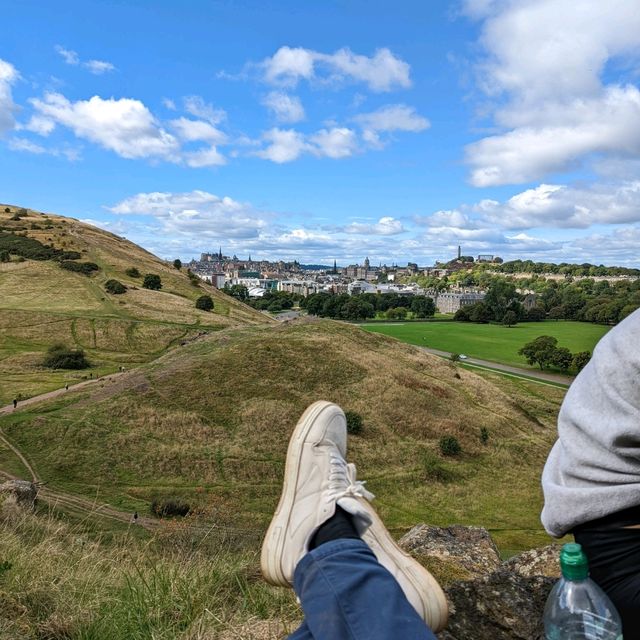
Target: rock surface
{"points": [[17, 493], [494, 600]]}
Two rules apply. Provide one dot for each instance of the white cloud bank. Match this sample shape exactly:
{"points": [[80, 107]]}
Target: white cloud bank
{"points": [[8, 76], [285, 108], [128, 128], [548, 67], [383, 71]]}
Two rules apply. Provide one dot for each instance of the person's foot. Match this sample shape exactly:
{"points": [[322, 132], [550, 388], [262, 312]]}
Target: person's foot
{"points": [[420, 587], [316, 479]]}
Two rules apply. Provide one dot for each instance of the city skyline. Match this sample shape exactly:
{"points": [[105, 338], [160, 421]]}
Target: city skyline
{"points": [[330, 131]]}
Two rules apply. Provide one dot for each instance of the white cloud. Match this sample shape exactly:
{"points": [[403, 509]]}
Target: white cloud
{"points": [[393, 117], [124, 126], [97, 67], [193, 130], [206, 157], [21, 144], [381, 72], [559, 99], [8, 75], [70, 57], [197, 214], [38, 124], [286, 108], [338, 142], [169, 104], [386, 226], [284, 145], [28, 146], [196, 106]]}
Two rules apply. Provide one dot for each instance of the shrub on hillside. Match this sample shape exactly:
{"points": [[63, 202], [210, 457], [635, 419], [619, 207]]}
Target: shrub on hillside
{"points": [[132, 272], [69, 255], [193, 278], [152, 281], [354, 423], [5, 256], [205, 303], [27, 247], [7, 210], [484, 435], [434, 468], [87, 268], [177, 264], [168, 507], [449, 446], [59, 356], [114, 286]]}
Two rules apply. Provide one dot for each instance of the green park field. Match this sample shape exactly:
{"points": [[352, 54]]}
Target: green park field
{"points": [[490, 341]]}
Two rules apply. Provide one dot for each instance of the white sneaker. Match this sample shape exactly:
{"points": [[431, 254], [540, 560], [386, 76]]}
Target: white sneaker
{"points": [[420, 587], [316, 478]]}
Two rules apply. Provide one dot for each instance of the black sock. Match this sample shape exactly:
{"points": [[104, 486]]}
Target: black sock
{"points": [[339, 525]]}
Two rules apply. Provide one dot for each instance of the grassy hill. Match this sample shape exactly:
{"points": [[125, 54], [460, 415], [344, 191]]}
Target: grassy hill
{"points": [[209, 423], [40, 303]]}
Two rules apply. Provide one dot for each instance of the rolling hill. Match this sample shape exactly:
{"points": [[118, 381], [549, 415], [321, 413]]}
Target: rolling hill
{"points": [[40, 303]]}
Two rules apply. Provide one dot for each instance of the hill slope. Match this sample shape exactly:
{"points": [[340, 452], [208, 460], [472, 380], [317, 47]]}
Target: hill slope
{"points": [[209, 422], [40, 303]]}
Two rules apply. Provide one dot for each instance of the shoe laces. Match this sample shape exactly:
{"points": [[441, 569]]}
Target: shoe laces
{"points": [[342, 481]]}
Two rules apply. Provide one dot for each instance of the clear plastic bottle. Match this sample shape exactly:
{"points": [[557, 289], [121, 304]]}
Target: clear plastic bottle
{"points": [[577, 608]]}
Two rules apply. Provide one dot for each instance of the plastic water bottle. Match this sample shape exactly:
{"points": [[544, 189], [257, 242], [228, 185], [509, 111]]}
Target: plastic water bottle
{"points": [[577, 608]]}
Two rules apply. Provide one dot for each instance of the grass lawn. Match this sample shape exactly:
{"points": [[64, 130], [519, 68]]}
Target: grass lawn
{"points": [[493, 342]]}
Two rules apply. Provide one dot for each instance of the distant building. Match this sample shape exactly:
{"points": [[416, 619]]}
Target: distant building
{"points": [[451, 302], [485, 258]]}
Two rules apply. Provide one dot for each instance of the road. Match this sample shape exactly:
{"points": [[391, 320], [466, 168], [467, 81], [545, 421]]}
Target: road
{"points": [[541, 376]]}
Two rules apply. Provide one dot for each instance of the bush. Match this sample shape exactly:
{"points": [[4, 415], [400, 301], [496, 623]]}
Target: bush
{"points": [[454, 357], [449, 446], [60, 356], [580, 360], [87, 268], [484, 435], [177, 263], [354, 423], [167, 507], [435, 469], [27, 247], [193, 278], [114, 286], [7, 210], [132, 272], [205, 303], [152, 281], [5, 256]]}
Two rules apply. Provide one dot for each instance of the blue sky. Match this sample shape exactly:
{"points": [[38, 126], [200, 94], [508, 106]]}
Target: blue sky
{"points": [[330, 130]]}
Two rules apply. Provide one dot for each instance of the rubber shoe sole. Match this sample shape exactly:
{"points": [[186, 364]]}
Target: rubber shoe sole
{"points": [[275, 540], [419, 586]]}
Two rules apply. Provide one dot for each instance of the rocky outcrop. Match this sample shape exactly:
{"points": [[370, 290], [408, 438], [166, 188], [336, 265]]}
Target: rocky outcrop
{"points": [[488, 599], [18, 493]]}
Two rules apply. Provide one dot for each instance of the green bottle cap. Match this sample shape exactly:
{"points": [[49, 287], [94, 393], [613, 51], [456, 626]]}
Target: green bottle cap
{"points": [[573, 562]]}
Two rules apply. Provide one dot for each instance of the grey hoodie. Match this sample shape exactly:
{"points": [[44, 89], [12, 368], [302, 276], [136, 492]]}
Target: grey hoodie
{"points": [[594, 467]]}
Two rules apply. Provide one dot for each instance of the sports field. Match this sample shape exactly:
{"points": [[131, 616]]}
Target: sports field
{"points": [[492, 342]]}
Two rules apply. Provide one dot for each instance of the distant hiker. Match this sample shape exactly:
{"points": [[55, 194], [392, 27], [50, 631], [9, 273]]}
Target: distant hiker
{"points": [[326, 541], [66, 387], [592, 476], [134, 517], [15, 402]]}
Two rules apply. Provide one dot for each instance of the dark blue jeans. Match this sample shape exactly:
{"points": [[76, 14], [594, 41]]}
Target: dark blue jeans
{"points": [[346, 594]]}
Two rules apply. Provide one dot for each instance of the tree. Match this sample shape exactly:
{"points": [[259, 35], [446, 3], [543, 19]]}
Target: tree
{"points": [[540, 351], [177, 263], [449, 446], [7, 210], [59, 356], [536, 314], [580, 360], [152, 281], [422, 306], [205, 303], [396, 313], [562, 358], [114, 286], [132, 272], [238, 291], [510, 318], [479, 312], [501, 297]]}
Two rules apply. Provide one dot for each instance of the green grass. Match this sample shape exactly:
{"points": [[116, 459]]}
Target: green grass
{"points": [[173, 429], [493, 342]]}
